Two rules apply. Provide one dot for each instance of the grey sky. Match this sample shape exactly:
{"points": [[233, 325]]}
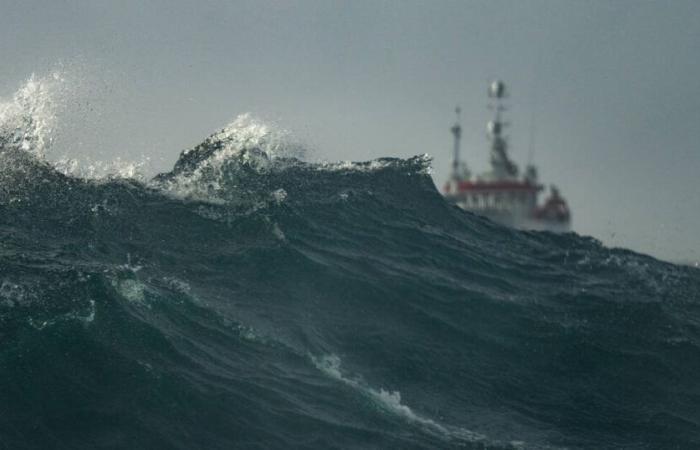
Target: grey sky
{"points": [[613, 88]]}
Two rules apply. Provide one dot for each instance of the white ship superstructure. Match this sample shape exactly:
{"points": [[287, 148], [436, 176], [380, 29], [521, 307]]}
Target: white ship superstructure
{"points": [[503, 194]]}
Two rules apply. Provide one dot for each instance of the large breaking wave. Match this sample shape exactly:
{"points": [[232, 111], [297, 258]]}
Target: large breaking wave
{"points": [[250, 299]]}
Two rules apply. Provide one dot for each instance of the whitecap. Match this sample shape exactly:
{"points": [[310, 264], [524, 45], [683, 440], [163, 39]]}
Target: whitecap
{"points": [[28, 119], [246, 141], [390, 401]]}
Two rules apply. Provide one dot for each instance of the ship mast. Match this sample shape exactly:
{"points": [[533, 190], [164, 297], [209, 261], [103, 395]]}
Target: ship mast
{"points": [[457, 133], [503, 167]]}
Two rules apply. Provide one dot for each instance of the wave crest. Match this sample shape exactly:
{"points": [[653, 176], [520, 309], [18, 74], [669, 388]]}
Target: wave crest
{"points": [[28, 119]]}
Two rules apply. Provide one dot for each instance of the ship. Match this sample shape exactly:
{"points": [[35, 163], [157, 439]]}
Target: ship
{"points": [[503, 194]]}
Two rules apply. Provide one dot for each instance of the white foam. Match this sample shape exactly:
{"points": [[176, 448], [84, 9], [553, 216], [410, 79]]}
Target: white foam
{"points": [[131, 289], [90, 316], [279, 196], [27, 120], [117, 168], [249, 334], [277, 231], [29, 123], [247, 140], [390, 400], [178, 285], [15, 294], [373, 165], [125, 281], [248, 132]]}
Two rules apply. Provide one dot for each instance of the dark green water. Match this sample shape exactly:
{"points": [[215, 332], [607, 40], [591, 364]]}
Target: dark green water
{"points": [[246, 301]]}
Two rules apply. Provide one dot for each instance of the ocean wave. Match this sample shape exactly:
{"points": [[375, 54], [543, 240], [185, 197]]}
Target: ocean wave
{"points": [[180, 311]]}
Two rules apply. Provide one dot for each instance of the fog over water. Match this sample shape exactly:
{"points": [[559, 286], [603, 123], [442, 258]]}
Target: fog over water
{"points": [[612, 88]]}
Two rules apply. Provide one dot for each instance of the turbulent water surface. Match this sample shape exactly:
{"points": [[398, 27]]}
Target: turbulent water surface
{"points": [[248, 299]]}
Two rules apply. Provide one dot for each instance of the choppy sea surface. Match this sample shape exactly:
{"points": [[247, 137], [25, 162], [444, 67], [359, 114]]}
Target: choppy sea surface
{"points": [[249, 299]]}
